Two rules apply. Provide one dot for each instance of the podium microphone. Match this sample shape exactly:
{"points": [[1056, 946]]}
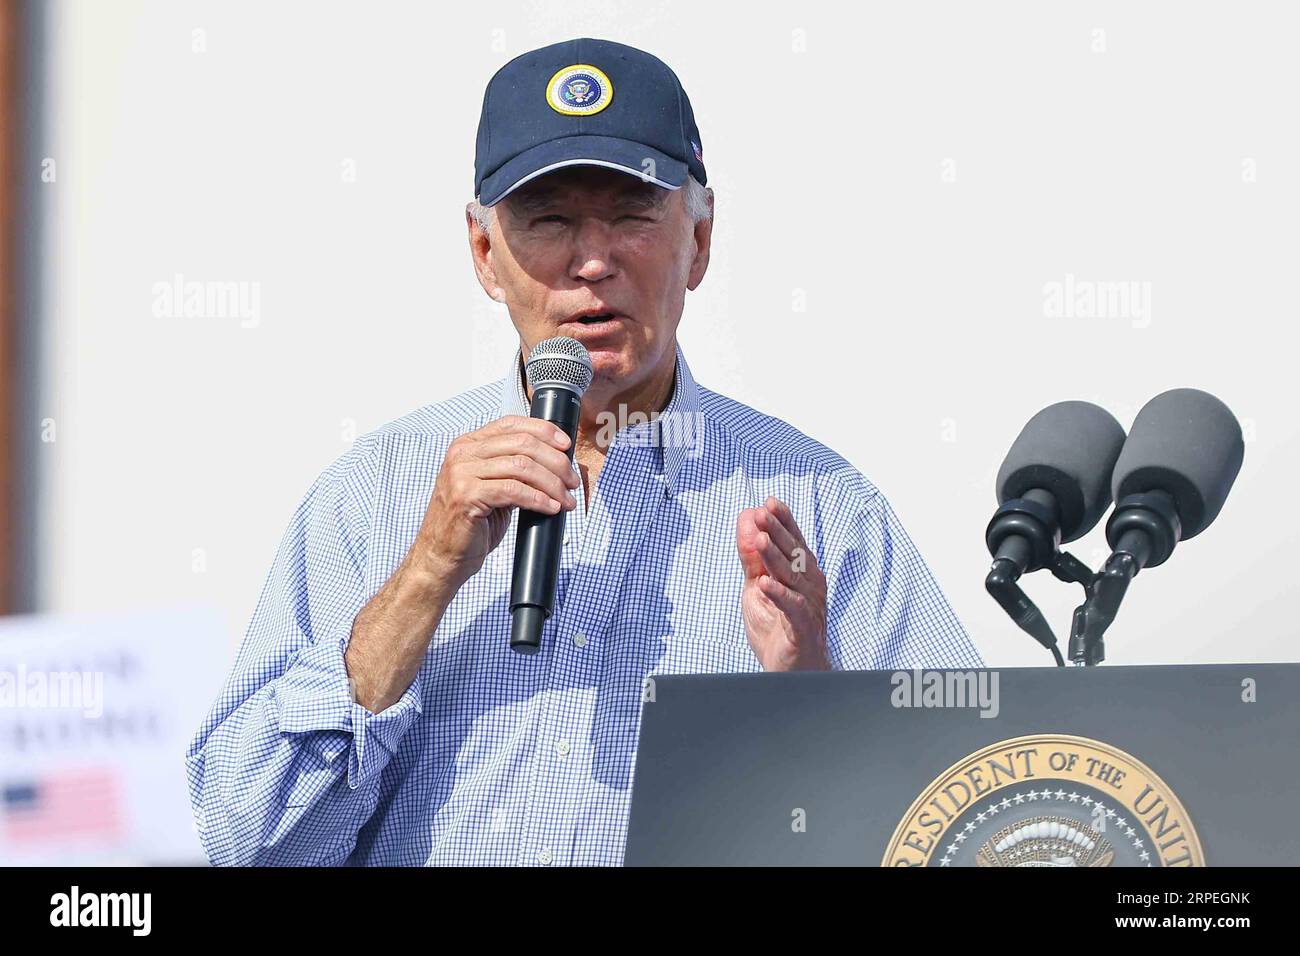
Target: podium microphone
{"points": [[1053, 486], [559, 372], [1181, 458]]}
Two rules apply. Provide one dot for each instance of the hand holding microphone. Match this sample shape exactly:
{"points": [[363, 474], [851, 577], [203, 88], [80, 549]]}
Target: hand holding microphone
{"points": [[513, 462]]}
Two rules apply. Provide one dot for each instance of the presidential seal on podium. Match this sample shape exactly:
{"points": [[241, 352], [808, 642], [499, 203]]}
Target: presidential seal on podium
{"points": [[1046, 800]]}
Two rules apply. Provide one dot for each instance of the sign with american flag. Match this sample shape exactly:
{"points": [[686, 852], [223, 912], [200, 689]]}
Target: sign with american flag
{"points": [[78, 805], [95, 715]]}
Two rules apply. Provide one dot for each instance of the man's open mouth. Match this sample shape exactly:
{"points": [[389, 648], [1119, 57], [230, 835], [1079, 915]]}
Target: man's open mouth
{"points": [[596, 318]]}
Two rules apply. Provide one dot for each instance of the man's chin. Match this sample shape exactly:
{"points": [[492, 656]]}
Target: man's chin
{"points": [[611, 364]]}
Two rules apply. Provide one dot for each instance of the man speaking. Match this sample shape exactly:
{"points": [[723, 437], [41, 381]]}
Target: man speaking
{"points": [[376, 714]]}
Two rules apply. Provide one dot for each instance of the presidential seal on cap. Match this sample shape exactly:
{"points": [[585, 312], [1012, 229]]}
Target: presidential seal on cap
{"points": [[579, 90], [585, 102]]}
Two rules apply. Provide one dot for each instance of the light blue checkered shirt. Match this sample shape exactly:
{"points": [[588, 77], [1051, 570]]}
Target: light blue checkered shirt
{"points": [[491, 757]]}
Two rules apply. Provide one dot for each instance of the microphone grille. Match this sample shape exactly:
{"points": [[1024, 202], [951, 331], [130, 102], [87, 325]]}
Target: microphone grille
{"points": [[559, 361]]}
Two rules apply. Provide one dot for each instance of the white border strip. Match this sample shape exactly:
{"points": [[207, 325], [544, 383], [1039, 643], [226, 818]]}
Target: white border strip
{"points": [[583, 162]]}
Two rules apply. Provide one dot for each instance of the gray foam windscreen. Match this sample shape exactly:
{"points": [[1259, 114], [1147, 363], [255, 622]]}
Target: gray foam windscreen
{"points": [[1068, 449], [1188, 443]]}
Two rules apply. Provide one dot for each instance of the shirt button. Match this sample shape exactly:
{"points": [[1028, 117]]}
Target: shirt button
{"points": [[580, 639], [566, 534], [544, 857], [562, 747]]}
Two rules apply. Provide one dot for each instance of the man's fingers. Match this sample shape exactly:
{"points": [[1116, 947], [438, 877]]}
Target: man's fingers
{"points": [[513, 493], [776, 563], [747, 544], [793, 604], [513, 444], [547, 432], [780, 533], [524, 469], [781, 512], [782, 554]]}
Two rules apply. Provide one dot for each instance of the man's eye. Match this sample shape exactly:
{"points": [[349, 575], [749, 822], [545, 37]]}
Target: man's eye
{"points": [[636, 218], [552, 218]]}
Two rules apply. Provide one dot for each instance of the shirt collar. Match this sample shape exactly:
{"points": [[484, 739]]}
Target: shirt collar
{"points": [[677, 431]]}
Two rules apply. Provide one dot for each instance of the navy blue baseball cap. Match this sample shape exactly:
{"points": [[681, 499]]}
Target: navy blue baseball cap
{"points": [[585, 102]]}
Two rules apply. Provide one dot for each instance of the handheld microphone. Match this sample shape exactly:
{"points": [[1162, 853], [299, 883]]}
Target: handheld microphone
{"points": [[1053, 486], [1181, 458], [559, 373]]}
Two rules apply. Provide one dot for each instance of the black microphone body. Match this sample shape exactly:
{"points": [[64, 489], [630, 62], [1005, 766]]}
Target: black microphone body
{"points": [[541, 536], [559, 372]]}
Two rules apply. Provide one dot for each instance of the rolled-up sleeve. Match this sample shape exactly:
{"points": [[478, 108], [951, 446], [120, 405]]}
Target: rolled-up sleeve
{"points": [[885, 610], [285, 768]]}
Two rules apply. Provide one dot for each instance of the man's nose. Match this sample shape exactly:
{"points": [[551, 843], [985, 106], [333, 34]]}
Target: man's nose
{"points": [[593, 251]]}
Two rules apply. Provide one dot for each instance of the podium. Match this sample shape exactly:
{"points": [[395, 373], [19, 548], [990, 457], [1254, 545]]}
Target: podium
{"points": [[1170, 765]]}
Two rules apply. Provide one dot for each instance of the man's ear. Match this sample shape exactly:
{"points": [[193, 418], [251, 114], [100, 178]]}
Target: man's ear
{"points": [[480, 250], [703, 231]]}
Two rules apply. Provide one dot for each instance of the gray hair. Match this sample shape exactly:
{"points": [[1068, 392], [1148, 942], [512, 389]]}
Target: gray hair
{"points": [[697, 204]]}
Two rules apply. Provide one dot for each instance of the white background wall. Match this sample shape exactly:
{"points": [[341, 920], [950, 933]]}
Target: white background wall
{"points": [[916, 172]]}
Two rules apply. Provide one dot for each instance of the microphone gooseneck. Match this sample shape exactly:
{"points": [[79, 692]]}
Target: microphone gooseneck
{"points": [[1053, 486]]}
